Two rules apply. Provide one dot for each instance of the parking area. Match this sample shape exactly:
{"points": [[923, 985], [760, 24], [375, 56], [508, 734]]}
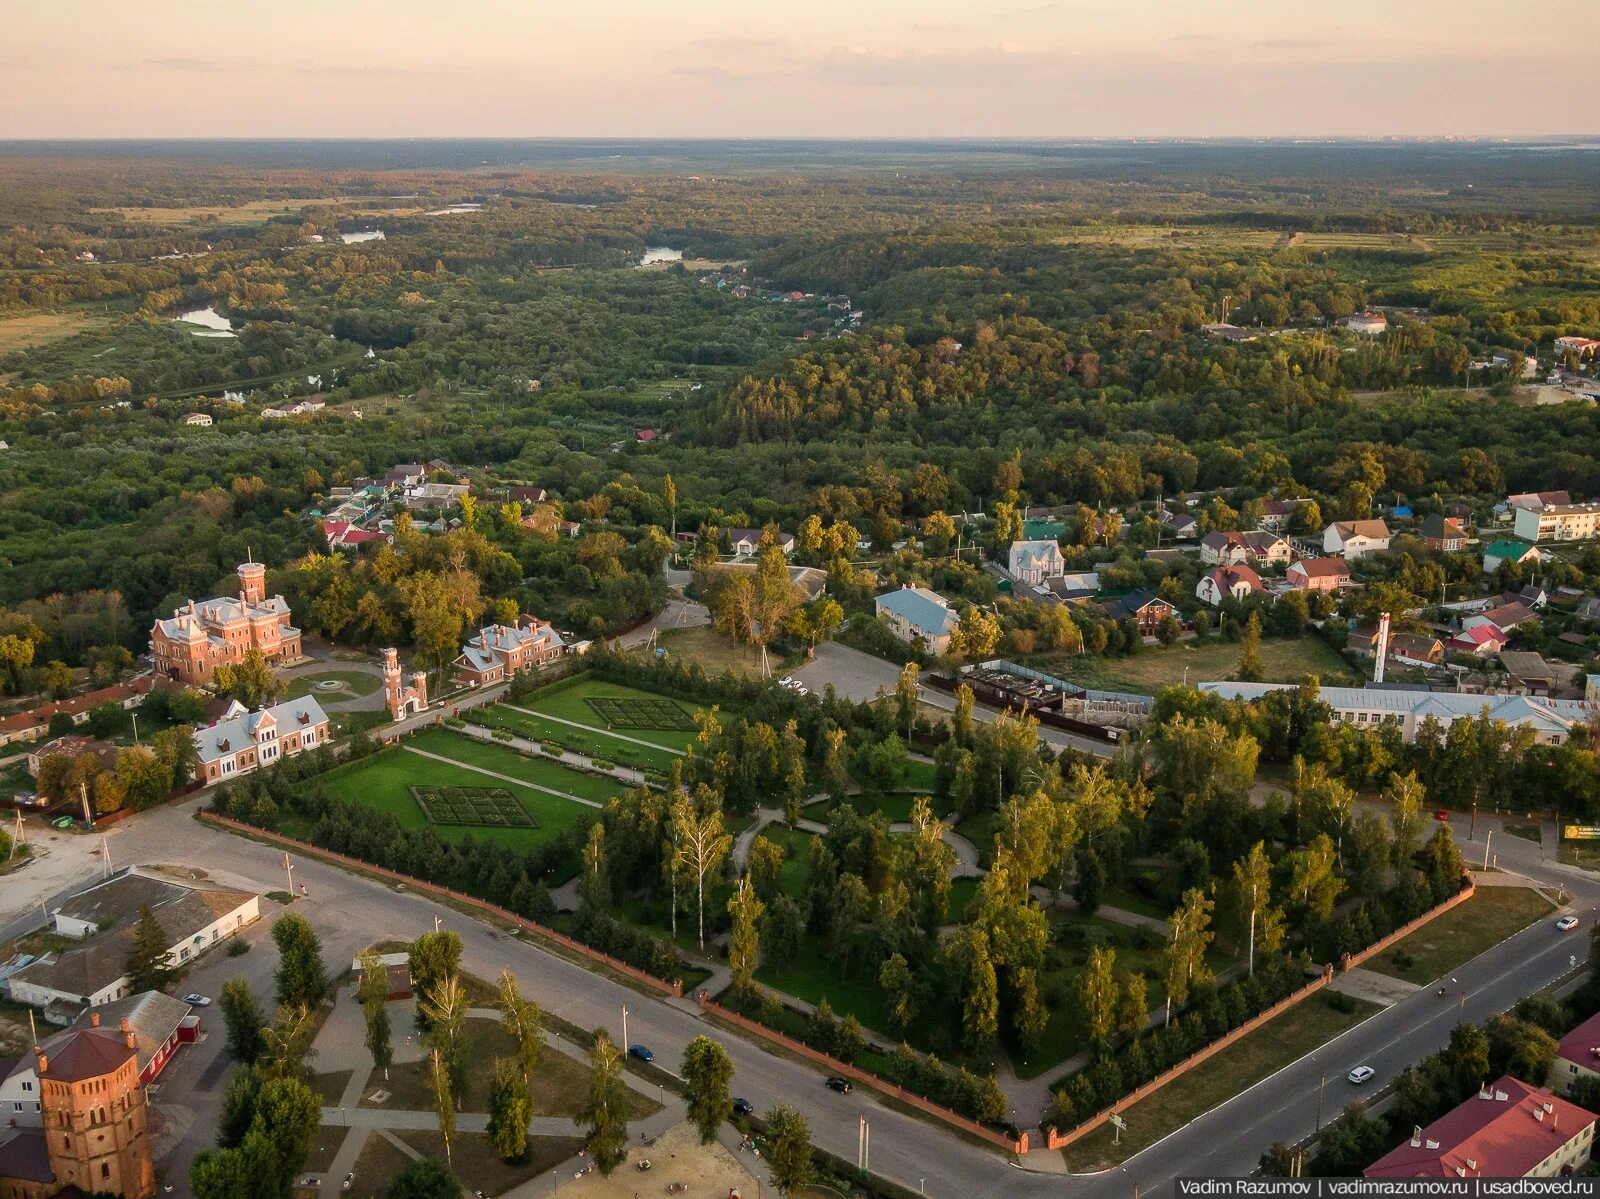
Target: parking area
{"points": [[856, 676]]}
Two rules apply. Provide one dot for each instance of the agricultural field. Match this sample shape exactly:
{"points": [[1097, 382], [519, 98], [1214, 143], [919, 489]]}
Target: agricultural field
{"points": [[252, 212], [1282, 661]]}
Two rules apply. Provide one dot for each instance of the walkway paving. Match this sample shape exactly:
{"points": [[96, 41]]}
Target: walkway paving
{"points": [[1372, 986], [535, 749], [505, 778], [589, 728]]}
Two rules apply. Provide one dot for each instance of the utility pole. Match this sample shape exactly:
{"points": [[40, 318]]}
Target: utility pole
{"points": [[436, 923], [624, 1027], [135, 716], [1487, 840], [105, 852], [288, 868]]}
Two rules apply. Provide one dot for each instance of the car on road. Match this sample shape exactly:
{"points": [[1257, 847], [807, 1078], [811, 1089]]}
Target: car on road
{"points": [[1567, 923], [196, 1000], [786, 680], [641, 1052], [1441, 814], [743, 1107], [842, 1085], [1361, 1074]]}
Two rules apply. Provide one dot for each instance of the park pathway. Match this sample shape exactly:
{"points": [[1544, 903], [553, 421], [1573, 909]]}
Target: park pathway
{"points": [[566, 757], [589, 728], [505, 778]]}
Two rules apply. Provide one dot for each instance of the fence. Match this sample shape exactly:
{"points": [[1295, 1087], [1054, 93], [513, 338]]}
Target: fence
{"points": [[1059, 1140], [1350, 961], [674, 988], [1018, 1145]]}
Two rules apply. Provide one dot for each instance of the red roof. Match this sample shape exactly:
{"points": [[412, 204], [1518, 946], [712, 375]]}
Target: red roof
{"points": [[1582, 1044], [1504, 1131], [646, 434], [1480, 636], [40, 716], [90, 1054], [1226, 577]]}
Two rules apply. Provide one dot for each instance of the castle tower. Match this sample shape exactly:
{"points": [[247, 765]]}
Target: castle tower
{"points": [[96, 1124], [402, 700], [252, 582]]}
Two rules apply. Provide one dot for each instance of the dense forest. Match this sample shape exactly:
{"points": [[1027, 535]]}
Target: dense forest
{"points": [[869, 341]]}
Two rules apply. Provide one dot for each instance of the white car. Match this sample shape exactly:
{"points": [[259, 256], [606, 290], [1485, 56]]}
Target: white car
{"points": [[1361, 1074], [801, 690], [194, 1000], [786, 680], [1567, 923]]}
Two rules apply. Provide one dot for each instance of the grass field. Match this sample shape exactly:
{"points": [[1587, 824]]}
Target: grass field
{"points": [[1461, 934], [385, 779], [1584, 854], [252, 212], [703, 644], [40, 328], [1243, 1064], [597, 743], [355, 682], [570, 701], [1148, 672]]}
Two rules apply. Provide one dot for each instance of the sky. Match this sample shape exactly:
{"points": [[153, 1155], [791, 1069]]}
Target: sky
{"points": [[754, 68]]}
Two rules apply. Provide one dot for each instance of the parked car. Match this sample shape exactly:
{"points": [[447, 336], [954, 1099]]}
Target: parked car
{"points": [[1361, 1074], [786, 680], [642, 1053], [1567, 923], [1441, 814], [195, 1000], [842, 1085], [743, 1107]]}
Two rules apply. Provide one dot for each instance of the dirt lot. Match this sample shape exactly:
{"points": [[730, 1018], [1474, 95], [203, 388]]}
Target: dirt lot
{"points": [[677, 1156]]}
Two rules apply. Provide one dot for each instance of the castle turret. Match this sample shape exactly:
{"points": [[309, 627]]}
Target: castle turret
{"points": [[253, 582]]}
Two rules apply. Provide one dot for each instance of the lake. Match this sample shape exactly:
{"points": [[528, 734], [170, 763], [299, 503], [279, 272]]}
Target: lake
{"points": [[448, 209], [363, 235], [212, 323], [656, 254]]}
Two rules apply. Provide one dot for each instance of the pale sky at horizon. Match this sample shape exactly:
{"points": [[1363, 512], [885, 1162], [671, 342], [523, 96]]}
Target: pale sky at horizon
{"points": [[828, 68]]}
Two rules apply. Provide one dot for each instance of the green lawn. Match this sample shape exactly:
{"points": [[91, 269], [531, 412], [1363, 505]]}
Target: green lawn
{"points": [[503, 760], [1584, 854], [896, 805], [356, 682], [569, 700], [1461, 934], [1282, 661], [1241, 1065], [385, 779], [596, 743]]}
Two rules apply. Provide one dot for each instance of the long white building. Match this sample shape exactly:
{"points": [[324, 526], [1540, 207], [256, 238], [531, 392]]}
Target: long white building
{"points": [[1552, 720]]}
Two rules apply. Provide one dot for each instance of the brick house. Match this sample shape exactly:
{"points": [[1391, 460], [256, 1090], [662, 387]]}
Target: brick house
{"points": [[1145, 608], [244, 741], [1318, 574], [500, 651], [190, 644], [1443, 533]]}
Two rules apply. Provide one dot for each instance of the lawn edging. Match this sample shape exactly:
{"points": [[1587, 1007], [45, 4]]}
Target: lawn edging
{"points": [[1017, 1145], [673, 989], [1054, 1139]]}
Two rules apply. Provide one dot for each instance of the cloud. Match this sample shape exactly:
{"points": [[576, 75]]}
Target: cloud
{"points": [[180, 63], [1287, 43]]}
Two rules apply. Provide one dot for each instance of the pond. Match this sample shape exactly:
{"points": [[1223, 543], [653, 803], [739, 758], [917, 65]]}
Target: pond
{"points": [[362, 235], [655, 254], [212, 323], [448, 209]]}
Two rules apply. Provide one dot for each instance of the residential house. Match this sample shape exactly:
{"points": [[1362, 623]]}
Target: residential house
{"points": [[1223, 549], [1370, 323], [918, 617], [35, 722], [300, 408], [1277, 515], [190, 644], [1228, 582], [244, 741], [1484, 640], [342, 535], [1179, 524], [744, 542], [1557, 522], [1318, 574], [1504, 550], [1504, 617], [1537, 501], [500, 651], [1035, 562], [1551, 720], [73, 747], [198, 420], [1080, 586], [1507, 1130], [528, 495], [1265, 546], [646, 436], [1353, 538], [1577, 1056], [104, 916], [1583, 347], [434, 495], [407, 474], [1145, 608], [1408, 649], [1443, 533], [1531, 674]]}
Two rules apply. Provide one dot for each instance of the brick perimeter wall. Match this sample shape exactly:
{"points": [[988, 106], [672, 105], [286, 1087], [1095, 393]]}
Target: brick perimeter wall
{"points": [[1059, 1140], [674, 988], [865, 1077]]}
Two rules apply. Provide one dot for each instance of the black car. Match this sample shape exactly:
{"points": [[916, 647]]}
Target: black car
{"points": [[743, 1107], [842, 1085]]}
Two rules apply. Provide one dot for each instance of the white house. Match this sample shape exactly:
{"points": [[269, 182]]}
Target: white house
{"points": [[744, 542], [1033, 562], [919, 617], [1228, 582], [1370, 323], [1557, 522], [244, 741], [1352, 538]]}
